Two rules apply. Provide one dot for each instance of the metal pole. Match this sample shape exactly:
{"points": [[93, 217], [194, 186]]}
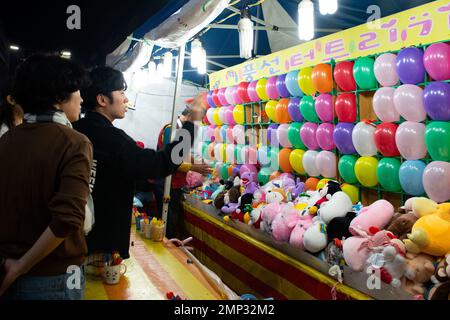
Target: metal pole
{"points": [[179, 78], [255, 44]]}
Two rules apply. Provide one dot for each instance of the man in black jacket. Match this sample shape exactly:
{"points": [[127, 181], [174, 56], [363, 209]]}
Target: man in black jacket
{"points": [[119, 162]]}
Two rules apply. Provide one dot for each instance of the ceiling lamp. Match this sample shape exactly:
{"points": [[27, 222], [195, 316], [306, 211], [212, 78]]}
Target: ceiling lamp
{"points": [[167, 64], [196, 48], [328, 6], [245, 28], [306, 20], [201, 67]]}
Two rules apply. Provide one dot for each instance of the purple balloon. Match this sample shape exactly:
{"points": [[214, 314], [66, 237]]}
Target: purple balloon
{"points": [[324, 136], [294, 110], [308, 135], [272, 134], [436, 97], [324, 107], [281, 86], [210, 99], [342, 136], [410, 67]]}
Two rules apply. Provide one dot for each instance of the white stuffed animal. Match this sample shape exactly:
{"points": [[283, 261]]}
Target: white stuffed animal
{"points": [[338, 206], [315, 238]]}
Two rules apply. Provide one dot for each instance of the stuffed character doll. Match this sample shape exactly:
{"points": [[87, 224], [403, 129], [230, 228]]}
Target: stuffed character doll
{"points": [[255, 215], [269, 212], [219, 195], [377, 215], [441, 280], [275, 195], [430, 234], [315, 238], [248, 183], [338, 227], [419, 270], [391, 262], [284, 223], [402, 224], [297, 234], [338, 205], [298, 189], [330, 188], [231, 200]]}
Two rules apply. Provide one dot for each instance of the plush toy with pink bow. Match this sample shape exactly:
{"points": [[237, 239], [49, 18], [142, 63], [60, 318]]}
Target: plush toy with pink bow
{"points": [[377, 215], [284, 222]]}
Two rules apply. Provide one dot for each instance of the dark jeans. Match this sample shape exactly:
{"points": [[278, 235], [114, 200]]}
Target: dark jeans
{"points": [[175, 216]]}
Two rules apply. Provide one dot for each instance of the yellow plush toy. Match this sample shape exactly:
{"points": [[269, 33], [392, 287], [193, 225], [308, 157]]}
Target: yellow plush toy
{"points": [[422, 206], [431, 233]]}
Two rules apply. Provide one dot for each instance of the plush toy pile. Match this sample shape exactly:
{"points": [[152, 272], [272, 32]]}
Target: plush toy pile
{"points": [[409, 248]]}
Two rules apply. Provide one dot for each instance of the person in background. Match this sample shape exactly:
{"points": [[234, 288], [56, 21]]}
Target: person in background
{"points": [[11, 114], [175, 222], [119, 162], [43, 199]]}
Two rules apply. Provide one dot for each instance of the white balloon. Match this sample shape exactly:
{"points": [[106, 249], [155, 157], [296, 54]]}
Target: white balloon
{"points": [[383, 105], [222, 115], [218, 152], [282, 135], [229, 95], [263, 155], [229, 153], [209, 115], [363, 139], [309, 163], [239, 134]]}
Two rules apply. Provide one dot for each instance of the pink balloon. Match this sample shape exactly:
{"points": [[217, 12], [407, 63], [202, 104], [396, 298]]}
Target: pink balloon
{"points": [[236, 97], [408, 100], [222, 117], [209, 115], [308, 135], [229, 95], [385, 69], [326, 164], [251, 91], [230, 138], [210, 132], [410, 140], [437, 61], [324, 107], [435, 179], [324, 136], [221, 97], [239, 134], [252, 155], [282, 134], [248, 168], [271, 88], [229, 115], [217, 135], [383, 105]]}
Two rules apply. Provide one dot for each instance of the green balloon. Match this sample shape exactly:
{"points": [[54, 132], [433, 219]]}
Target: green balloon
{"points": [[346, 167], [294, 135], [308, 109], [387, 173], [274, 162], [364, 74], [264, 175], [213, 164], [437, 140], [205, 150], [224, 171], [237, 153]]}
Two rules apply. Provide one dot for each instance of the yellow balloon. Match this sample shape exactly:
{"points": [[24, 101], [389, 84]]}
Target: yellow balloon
{"points": [[295, 159], [261, 89], [216, 118], [270, 109], [238, 114], [352, 191], [224, 152], [305, 81], [322, 183], [366, 171]]}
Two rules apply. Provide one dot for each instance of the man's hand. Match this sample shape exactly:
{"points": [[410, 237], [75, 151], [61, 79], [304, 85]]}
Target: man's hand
{"points": [[201, 168], [196, 109], [13, 270]]}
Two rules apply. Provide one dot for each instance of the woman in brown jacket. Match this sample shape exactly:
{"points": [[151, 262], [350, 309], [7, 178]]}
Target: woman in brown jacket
{"points": [[45, 171]]}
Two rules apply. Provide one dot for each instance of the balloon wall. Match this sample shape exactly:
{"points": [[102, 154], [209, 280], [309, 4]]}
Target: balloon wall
{"points": [[308, 122]]}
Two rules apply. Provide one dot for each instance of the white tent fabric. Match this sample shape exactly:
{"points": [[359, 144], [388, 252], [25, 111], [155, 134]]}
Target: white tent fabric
{"points": [[114, 57], [274, 14]]}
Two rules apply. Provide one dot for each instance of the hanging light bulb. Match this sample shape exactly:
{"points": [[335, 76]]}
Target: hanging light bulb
{"points": [[328, 6], [196, 47], [201, 63], [245, 28], [306, 20], [152, 71], [167, 63]]}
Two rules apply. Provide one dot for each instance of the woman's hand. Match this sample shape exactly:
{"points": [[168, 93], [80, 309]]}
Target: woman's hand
{"points": [[13, 270], [201, 168]]}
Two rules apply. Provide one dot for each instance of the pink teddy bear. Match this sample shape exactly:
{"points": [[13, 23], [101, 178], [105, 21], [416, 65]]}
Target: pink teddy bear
{"points": [[297, 234], [377, 215], [284, 223], [268, 214]]}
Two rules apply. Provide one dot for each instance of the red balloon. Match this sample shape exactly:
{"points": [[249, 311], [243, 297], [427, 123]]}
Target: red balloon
{"points": [[343, 75], [242, 92], [215, 97], [205, 101], [345, 107], [385, 139], [206, 121]]}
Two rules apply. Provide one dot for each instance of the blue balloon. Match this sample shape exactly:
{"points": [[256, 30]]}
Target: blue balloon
{"points": [[223, 133], [410, 175], [292, 84]]}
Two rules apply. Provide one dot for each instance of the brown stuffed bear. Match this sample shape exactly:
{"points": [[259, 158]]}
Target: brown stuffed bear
{"points": [[401, 224], [441, 290], [419, 270]]}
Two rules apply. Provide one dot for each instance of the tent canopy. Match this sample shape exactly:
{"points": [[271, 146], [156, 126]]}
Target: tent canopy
{"points": [[222, 43]]}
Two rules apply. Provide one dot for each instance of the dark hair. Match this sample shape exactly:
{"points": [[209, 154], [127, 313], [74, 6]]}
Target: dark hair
{"points": [[104, 80], [42, 81], [8, 112]]}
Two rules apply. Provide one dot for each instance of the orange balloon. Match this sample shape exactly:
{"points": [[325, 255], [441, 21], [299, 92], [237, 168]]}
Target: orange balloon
{"points": [[211, 150], [217, 135], [281, 111], [230, 170], [322, 78], [283, 160], [275, 175], [311, 184]]}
